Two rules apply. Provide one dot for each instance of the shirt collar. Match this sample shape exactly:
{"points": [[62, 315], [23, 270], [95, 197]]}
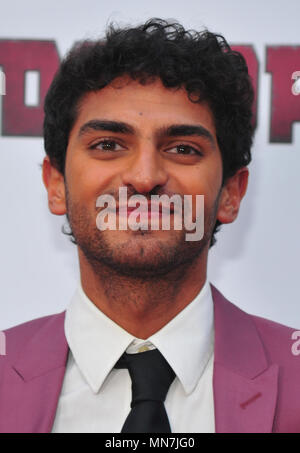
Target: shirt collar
{"points": [[187, 341], [97, 342]]}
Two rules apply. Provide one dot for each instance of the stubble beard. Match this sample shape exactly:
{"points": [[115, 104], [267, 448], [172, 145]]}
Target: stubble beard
{"points": [[139, 254]]}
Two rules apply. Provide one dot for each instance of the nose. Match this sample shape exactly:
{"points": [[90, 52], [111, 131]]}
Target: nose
{"points": [[145, 171]]}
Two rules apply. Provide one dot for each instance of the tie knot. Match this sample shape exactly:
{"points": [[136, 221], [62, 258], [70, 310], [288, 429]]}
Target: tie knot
{"points": [[150, 373]]}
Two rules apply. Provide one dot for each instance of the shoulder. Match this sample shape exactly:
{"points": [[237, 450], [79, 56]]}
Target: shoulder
{"points": [[276, 338], [250, 333], [18, 336], [282, 348], [279, 341]]}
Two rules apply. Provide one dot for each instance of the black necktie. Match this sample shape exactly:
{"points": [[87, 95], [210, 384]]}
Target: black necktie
{"points": [[151, 377]]}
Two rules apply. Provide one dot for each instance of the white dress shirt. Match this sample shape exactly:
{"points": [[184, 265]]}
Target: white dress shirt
{"points": [[96, 398]]}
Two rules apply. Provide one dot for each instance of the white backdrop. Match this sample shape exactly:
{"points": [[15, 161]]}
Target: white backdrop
{"points": [[256, 260]]}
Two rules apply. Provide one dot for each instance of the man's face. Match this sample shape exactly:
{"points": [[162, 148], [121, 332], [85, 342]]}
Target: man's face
{"points": [[152, 140]]}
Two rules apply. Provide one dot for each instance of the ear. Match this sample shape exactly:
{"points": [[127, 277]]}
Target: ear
{"points": [[55, 186], [231, 196]]}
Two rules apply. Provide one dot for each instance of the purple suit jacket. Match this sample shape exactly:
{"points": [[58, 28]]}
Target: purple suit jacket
{"points": [[256, 377]]}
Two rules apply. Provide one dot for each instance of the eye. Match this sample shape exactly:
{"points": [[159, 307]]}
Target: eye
{"points": [[182, 149], [106, 145]]}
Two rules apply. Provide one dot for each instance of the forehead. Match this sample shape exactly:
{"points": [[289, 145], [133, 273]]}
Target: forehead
{"points": [[151, 104]]}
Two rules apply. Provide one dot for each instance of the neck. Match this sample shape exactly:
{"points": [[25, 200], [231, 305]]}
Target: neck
{"points": [[142, 306]]}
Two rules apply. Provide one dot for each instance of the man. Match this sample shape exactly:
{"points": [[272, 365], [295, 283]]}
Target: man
{"points": [[155, 110]]}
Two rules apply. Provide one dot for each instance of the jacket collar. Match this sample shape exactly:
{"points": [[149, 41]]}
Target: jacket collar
{"points": [[31, 383], [238, 346], [244, 382], [45, 351]]}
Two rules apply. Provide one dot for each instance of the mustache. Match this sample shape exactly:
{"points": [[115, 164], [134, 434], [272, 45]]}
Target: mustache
{"points": [[158, 200], [131, 192]]}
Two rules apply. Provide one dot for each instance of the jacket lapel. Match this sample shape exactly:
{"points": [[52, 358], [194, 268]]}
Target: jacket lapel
{"points": [[31, 385], [244, 383]]}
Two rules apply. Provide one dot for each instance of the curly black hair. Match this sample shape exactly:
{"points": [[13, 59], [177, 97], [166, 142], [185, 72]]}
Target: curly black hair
{"points": [[201, 62]]}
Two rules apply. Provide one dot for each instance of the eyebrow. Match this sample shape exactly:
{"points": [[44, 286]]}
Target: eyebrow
{"points": [[120, 127], [105, 125], [187, 130]]}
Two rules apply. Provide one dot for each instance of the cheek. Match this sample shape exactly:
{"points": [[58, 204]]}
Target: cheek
{"points": [[204, 180], [87, 179]]}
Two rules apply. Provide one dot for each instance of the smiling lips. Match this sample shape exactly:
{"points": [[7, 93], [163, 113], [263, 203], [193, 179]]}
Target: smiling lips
{"points": [[146, 210]]}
